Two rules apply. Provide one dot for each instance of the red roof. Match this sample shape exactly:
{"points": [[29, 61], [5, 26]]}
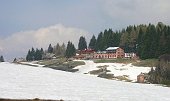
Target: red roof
{"points": [[86, 51]]}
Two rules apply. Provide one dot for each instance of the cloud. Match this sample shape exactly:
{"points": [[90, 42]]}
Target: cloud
{"points": [[18, 44], [137, 11]]}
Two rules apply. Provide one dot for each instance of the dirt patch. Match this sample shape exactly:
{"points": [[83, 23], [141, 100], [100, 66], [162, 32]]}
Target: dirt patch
{"points": [[36, 99], [123, 78], [107, 76]]}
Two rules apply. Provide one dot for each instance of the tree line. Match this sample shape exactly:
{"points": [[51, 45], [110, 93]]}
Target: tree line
{"points": [[153, 41], [34, 54], [58, 50], [148, 41], [39, 54], [105, 39]]}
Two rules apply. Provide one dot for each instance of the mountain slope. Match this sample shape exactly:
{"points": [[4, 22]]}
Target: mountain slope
{"points": [[20, 81]]}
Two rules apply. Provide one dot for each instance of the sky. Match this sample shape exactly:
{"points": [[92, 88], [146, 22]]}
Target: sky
{"points": [[37, 23]]}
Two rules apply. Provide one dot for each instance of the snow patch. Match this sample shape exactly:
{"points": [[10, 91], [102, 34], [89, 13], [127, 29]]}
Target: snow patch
{"points": [[26, 82], [118, 69]]}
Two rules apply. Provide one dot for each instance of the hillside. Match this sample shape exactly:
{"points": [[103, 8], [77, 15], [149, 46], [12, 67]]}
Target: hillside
{"points": [[26, 82], [120, 71]]}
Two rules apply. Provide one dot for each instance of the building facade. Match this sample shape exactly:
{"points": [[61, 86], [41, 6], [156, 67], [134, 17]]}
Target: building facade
{"points": [[110, 53], [85, 54]]}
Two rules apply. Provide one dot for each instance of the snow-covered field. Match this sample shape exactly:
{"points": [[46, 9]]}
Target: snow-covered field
{"points": [[21, 81], [117, 69]]}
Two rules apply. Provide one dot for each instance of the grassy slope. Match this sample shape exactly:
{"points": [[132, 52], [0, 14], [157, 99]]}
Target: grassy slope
{"points": [[61, 64], [119, 60], [143, 63], [146, 63]]}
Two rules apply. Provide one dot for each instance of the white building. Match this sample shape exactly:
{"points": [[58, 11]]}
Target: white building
{"points": [[130, 55]]}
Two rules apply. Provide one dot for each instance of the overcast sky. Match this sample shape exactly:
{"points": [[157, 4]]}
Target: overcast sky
{"points": [[36, 23]]}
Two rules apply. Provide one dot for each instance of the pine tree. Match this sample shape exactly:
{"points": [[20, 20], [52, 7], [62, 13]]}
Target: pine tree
{"points": [[41, 52], [168, 40], [15, 60], [38, 54], [28, 57], [82, 43], [73, 50], [92, 42], [32, 54], [105, 39], [63, 49], [50, 49], [70, 50], [57, 50], [124, 40], [108, 38], [2, 59], [99, 42], [116, 39], [140, 42], [154, 42]]}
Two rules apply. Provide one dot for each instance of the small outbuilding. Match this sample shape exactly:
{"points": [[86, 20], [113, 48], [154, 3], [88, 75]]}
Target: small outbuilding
{"points": [[141, 78]]}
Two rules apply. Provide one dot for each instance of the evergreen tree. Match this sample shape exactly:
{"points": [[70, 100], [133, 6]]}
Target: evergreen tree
{"points": [[70, 50], [99, 42], [2, 59], [50, 49], [63, 49], [59, 50], [140, 42], [168, 41], [42, 51], [108, 39], [154, 42], [28, 57], [146, 45], [105, 39], [38, 55], [15, 60], [116, 39], [92, 42], [34, 55], [73, 50], [82, 43], [149, 45], [124, 41]]}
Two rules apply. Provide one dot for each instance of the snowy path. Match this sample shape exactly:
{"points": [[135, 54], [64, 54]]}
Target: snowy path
{"points": [[117, 69], [89, 66], [20, 81]]}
